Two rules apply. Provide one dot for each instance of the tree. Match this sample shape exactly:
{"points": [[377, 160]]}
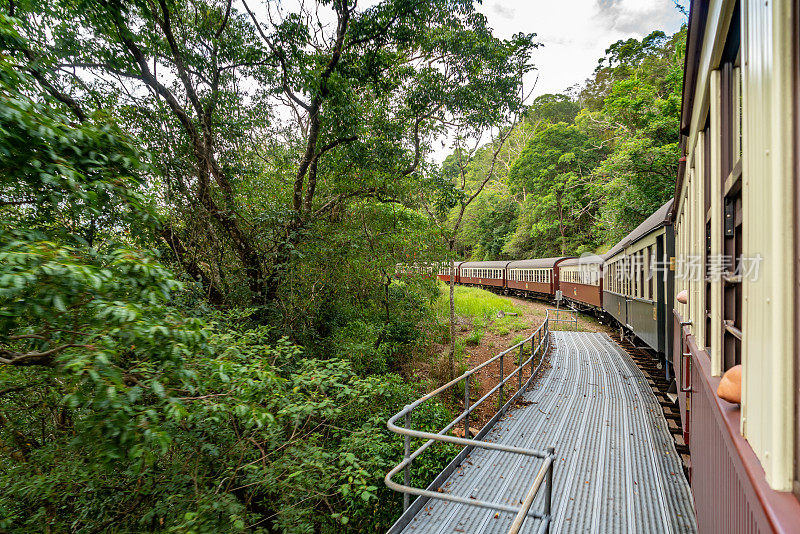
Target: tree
{"points": [[266, 122], [556, 166], [118, 410], [455, 187], [640, 118]]}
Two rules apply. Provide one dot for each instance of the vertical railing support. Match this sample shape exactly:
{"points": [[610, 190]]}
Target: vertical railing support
{"points": [[406, 454], [502, 372], [548, 496], [466, 407], [519, 366]]}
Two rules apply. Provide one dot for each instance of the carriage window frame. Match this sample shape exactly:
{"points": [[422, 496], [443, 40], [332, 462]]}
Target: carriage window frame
{"points": [[730, 133]]}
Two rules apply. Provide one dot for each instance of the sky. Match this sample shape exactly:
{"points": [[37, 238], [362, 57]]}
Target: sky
{"points": [[576, 33]]}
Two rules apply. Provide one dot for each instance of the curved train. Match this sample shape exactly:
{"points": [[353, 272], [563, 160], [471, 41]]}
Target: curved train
{"points": [[630, 283], [711, 281]]}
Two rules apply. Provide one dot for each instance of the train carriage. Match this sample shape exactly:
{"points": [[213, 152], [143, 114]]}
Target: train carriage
{"points": [[736, 219], [537, 277], [483, 273], [636, 281], [581, 281], [443, 273]]}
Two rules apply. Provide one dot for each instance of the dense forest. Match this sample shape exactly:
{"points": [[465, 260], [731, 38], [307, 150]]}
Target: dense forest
{"points": [[202, 206], [582, 168]]}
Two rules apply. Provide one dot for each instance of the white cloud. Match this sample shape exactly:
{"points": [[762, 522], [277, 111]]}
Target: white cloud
{"points": [[576, 33], [503, 11]]}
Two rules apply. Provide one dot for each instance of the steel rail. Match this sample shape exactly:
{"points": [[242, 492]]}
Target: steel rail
{"points": [[545, 471], [539, 348]]}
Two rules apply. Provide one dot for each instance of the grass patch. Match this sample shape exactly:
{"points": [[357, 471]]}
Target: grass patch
{"points": [[508, 324], [473, 302], [474, 338]]}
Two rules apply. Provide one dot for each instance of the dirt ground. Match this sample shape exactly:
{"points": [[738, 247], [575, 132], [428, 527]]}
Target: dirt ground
{"points": [[496, 339]]}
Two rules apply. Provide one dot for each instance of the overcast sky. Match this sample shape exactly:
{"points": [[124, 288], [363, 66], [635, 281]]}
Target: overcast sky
{"points": [[575, 33]]}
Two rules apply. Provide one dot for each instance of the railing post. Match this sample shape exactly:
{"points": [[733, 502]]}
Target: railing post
{"points": [[548, 497], [406, 454], [502, 372], [466, 407], [519, 366]]}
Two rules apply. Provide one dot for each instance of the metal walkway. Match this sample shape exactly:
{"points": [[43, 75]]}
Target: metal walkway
{"points": [[616, 469]]}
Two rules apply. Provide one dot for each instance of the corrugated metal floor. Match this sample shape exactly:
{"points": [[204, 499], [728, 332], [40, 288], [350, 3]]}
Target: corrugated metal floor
{"points": [[616, 467]]}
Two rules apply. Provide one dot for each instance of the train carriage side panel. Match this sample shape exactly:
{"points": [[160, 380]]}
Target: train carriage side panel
{"points": [[643, 299], [483, 273], [539, 276], [581, 281], [632, 292], [614, 300], [444, 272]]}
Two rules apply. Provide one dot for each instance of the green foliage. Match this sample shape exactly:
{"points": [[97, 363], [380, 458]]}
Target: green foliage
{"points": [[121, 411], [555, 167], [582, 170], [280, 434]]}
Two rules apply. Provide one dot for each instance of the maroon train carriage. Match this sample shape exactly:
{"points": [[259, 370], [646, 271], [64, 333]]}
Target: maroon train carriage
{"points": [[581, 281], [444, 272], [534, 277], [483, 273]]}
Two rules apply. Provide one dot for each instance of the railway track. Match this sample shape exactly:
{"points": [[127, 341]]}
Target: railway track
{"points": [[654, 372]]}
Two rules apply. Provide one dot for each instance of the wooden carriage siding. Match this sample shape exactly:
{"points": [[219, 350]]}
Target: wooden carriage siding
{"points": [[582, 281], [737, 195], [542, 274]]}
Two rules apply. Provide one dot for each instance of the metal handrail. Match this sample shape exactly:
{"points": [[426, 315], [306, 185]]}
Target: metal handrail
{"points": [[545, 470], [573, 319], [540, 344]]}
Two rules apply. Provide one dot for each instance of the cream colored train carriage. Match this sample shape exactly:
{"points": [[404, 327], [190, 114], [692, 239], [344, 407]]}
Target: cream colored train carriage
{"points": [[736, 220]]}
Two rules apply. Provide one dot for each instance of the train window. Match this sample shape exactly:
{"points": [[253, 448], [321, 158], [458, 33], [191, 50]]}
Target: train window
{"points": [[630, 274], [642, 279], [651, 262], [731, 176], [626, 276]]}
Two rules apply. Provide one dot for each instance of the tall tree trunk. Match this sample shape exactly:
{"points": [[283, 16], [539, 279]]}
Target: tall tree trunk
{"points": [[561, 226], [451, 357]]}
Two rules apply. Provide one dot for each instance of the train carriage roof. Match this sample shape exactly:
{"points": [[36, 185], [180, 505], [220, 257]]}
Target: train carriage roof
{"points": [[591, 259], [484, 265], [655, 221], [539, 263]]}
